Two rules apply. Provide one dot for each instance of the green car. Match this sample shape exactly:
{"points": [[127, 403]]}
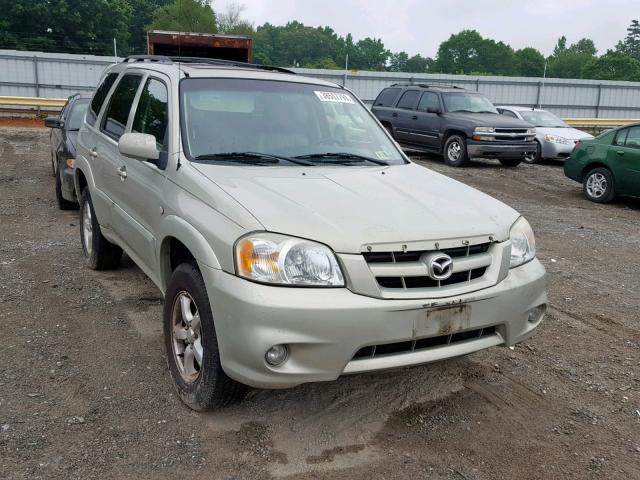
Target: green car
{"points": [[608, 165]]}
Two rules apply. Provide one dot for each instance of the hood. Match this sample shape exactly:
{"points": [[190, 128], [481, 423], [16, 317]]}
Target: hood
{"points": [[489, 120], [351, 207], [566, 132]]}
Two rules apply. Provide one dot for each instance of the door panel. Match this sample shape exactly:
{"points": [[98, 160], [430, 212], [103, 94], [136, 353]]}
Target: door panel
{"points": [[402, 116], [427, 124], [624, 159]]}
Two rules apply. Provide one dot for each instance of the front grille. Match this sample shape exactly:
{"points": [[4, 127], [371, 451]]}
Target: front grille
{"points": [[375, 351], [407, 271], [512, 135]]}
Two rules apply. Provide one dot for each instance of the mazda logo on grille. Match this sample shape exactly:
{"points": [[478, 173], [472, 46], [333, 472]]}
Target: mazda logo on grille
{"points": [[440, 266]]}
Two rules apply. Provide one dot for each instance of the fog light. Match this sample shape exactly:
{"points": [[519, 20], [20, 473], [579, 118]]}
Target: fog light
{"points": [[535, 314], [276, 355]]}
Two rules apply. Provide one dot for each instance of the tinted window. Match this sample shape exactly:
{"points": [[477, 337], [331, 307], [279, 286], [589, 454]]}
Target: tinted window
{"points": [[621, 137], [467, 102], [428, 101], [151, 115], [76, 115], [387, 97], [115, 118], [408, 99], [508, 113], [99, 97], [633, 137]]}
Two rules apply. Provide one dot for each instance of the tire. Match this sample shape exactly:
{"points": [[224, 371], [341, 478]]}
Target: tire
{"points": [[201, 385], [63, 203], [510, 162], [598, 185], [53, 166], [99, 253], [455, 151], [531, 159]]}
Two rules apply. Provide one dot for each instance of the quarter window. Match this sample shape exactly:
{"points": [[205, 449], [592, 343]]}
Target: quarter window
{"points": [[428, 101], [99, 97], [151, 114], [408, 99], [117, 114]]}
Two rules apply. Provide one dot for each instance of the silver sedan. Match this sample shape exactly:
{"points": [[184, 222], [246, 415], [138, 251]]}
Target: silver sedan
{"points": [[555, 139]]}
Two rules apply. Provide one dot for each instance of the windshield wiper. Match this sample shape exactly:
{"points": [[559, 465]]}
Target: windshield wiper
{"points": [[255, 158], [342, 158]]}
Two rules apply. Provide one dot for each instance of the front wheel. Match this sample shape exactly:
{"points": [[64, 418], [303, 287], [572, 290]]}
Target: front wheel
{"points": [[598, 185], [192, 345], [99, 253], [534, 157], [510, 162], [455, 151]]}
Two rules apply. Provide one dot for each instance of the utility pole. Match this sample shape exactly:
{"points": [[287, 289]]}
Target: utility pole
{"points": [[544, 77], [115, 51], [346, 69]]}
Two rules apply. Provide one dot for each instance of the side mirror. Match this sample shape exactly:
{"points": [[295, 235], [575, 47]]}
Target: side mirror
{"points": [[53, 122], [433, 110], [140, 146]]}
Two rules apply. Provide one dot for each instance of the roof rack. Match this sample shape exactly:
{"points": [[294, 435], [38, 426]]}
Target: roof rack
{"points": [[427, 85], [209, 61]]}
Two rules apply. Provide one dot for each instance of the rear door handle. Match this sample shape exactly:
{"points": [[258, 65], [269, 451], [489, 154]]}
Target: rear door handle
{"points": [[93, 152], [122, 172], [394, 114], [620, 152], [415, 117]]}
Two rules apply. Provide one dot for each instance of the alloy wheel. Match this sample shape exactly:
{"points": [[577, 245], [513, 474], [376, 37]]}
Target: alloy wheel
{"points": [[87, 229], [186, 337], [596, 185], [454, 150]]}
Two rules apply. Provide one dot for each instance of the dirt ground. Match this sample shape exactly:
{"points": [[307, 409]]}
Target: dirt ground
{"points": [[85, 391]]}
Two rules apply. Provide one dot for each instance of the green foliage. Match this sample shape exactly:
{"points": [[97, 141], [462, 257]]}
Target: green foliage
{"points": [[185, 16], [569, 62], [230, 22], [529, 62], [631, 43], [468, 51], [613, 66]]}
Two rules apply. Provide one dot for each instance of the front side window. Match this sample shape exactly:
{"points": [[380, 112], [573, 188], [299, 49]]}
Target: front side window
{"points": [[75, 116], [151, 115], [408, 99], [117, 114], [429, 101], [467, 102], [285, 119], [99, 97]]}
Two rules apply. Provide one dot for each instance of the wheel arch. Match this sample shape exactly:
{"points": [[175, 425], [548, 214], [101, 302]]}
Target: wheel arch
{"points": [[449, 132], [591, 166]]}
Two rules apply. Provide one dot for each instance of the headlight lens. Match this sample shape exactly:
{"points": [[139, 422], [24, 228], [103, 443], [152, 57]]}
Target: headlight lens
{"points": [[557, 139], [281, 260], [523, 243], [531, 131], [484, 130]]}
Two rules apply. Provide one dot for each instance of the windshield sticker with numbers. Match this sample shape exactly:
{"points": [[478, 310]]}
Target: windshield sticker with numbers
{"points": [[334, 97]]}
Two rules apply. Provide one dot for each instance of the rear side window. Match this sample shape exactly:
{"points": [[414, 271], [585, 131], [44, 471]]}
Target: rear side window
{"points": [[621, 137], [633, 138], [117, 114], [151, 114], [387, 97], [408, 99], [99, 97]]}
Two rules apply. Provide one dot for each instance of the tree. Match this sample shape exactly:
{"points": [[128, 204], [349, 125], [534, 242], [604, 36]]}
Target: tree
{"points": [[613, 66], [419, 64], [529, 62], [584, 46], [459, 53], [398, 62], [561, 46], [185, 16], [631, 44], [142, 15], [569, 62], [230, 22]]}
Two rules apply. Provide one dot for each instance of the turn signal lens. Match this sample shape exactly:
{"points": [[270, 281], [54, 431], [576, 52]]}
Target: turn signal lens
{"points": [[71, 162]]}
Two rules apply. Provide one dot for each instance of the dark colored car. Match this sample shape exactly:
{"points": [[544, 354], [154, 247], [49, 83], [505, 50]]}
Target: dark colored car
{"points": [[63, 137], [453, 122], [608, 165]]}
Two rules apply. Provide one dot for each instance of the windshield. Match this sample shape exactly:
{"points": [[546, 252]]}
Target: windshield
{"points": [[467, 102], [280, 119], [539, 118], [76, 116]]}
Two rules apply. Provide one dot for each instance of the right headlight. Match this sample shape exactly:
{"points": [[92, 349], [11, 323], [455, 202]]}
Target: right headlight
{"points": [[523, 243], [282, 260]]}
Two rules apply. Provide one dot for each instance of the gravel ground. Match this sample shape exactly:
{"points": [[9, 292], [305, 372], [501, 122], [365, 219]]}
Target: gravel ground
{"points": [[85, 391]]}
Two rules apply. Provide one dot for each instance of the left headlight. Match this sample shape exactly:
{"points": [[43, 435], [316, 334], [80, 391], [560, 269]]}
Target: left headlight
{"points": [[557, 139], [282, 260], [523, 243]]}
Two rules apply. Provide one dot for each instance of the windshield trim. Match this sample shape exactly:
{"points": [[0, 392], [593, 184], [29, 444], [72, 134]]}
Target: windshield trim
{"points": [[182, 121]]}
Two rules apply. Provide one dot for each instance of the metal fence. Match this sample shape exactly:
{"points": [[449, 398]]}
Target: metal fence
{"points": [[58, 75]]}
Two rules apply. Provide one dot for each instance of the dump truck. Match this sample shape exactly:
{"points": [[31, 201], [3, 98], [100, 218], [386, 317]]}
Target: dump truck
{"points": [[205, 45]]}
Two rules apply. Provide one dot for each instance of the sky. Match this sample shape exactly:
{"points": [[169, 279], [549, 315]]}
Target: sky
{"points": [[417, 26]]}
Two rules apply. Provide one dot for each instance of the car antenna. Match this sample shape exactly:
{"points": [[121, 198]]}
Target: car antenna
{"points": [[179, 79]]}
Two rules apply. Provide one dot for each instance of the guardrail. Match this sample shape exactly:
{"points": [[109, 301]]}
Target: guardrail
{"points": [[600, 122], [33, 102]]}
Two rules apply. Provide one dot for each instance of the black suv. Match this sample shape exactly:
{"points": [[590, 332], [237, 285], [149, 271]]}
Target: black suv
{"points": [[454, 122]]}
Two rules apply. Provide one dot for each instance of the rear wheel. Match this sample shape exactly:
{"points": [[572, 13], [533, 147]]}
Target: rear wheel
{"points": [[192, 344], [455, 151], [99, 253], [510, 162], [534, 157], [598, 185]]}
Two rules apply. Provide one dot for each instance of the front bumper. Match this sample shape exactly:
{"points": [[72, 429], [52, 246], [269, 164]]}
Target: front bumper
{"points": [[556, 151], [324, 328], [499, 150]]}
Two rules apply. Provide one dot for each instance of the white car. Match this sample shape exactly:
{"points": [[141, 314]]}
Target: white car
{"points": [[554, 137]]}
